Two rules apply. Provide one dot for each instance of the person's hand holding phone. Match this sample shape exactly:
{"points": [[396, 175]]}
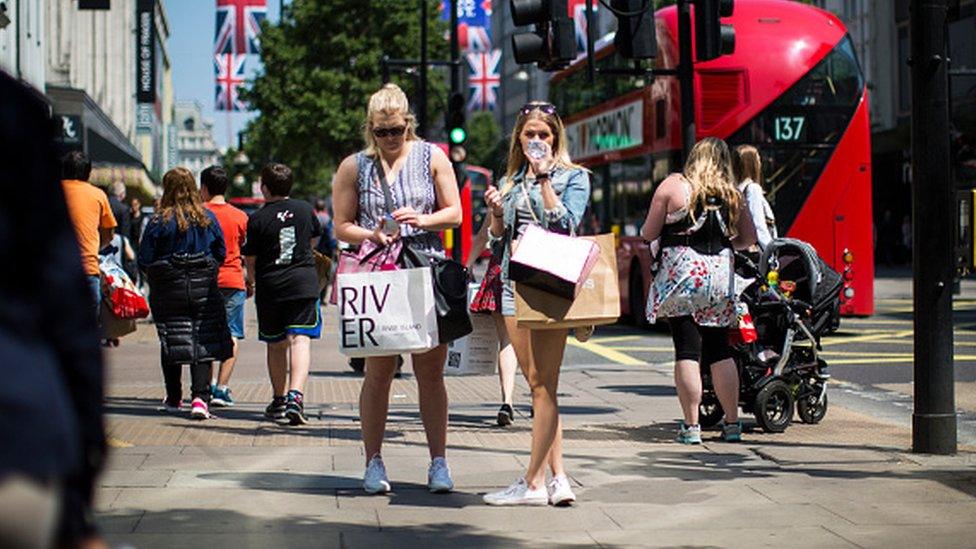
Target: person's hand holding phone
{"points": [[386, 232], [493, 199]]}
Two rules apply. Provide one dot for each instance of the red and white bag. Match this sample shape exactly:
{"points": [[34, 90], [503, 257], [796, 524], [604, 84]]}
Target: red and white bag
{"points": [[745, 330], [120, 293]]}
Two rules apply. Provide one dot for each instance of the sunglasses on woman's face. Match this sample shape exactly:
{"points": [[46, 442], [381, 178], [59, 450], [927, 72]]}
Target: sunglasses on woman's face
{"points": [[547, 108], [389, 132]]}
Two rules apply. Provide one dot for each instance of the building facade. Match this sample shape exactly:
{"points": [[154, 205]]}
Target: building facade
{"points": [[22, 40], [92, 75], [195, 140]]}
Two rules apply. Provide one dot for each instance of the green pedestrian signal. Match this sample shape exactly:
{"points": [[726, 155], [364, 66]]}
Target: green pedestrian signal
{"points": [[458, 135]]}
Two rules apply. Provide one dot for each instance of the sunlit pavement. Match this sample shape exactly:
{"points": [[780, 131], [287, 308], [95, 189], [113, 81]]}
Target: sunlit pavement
{"points": [[242, 481]]}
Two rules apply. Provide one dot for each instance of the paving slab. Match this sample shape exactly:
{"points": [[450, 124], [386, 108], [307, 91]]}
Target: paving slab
{"points": [[715, 536]]}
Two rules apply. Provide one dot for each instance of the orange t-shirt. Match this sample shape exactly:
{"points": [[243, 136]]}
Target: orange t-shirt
{"points": [[89, 211], [233, 223]]}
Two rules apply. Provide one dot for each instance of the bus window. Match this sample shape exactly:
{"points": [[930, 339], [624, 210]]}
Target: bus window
{"points": [[797, 133]]}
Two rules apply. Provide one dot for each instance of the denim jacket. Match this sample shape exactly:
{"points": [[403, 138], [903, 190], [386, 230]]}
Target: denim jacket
{"points": [[572, 186]]}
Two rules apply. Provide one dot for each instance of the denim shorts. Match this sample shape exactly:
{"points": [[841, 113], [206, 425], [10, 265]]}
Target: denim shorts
{"points": [[508, 298], [234, 304]]}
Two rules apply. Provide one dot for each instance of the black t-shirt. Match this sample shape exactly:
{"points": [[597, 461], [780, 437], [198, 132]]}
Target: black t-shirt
{"points": [[279, 235]]}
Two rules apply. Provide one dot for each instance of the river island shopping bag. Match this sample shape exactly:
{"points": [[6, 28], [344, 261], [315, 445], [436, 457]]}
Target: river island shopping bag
{"points": [[385, 313]]}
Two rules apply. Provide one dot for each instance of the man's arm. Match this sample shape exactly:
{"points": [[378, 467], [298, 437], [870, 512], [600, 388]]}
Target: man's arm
{"points": [[105, 237], [106, 223], [249, 261]]}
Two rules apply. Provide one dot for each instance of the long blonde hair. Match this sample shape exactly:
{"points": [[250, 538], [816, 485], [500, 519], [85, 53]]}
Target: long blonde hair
{"points": [[747, 164], [389, 100], [709, 171], [560, 147], [181, 200]]}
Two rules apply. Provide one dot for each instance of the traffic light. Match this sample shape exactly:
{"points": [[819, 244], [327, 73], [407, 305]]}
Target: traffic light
{"points": [[635, 38], [552, 45], [712, 38], [456, 132]]}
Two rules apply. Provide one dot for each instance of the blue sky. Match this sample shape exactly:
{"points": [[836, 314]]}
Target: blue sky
{"points": [[190, 47]]}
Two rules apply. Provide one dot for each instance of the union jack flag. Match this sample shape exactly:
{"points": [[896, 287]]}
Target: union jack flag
{"points": [[577, 10], [484, 80], [474, 39], [238, 26], [230, 76]]}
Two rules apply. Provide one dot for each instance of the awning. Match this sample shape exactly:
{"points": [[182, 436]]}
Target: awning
{"points": [[137, 181]]}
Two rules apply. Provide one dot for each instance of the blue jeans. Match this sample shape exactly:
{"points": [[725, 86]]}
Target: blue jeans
{"points": [[95, 285]]}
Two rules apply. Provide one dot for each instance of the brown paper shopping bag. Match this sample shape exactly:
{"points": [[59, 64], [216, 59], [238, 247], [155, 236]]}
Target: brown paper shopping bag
{"points": [[598, 301]]}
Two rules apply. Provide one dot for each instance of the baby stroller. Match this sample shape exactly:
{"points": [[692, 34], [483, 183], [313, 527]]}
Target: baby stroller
{"points": [[793, 302]]}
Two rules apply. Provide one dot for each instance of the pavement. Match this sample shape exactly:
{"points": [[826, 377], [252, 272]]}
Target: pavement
{"points": [[241, 481]]}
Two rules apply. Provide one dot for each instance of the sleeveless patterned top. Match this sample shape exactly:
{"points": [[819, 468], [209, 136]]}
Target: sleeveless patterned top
{"points": [[413, 186]]}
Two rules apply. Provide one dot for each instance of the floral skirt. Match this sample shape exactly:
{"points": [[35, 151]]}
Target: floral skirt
{"points": [[691, 284]]}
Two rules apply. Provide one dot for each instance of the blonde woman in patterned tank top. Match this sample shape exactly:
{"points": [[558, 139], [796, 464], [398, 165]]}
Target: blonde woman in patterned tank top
{"points": [[425, 201]]}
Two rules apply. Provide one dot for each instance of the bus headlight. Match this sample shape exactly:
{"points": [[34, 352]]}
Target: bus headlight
{"points": [[849, 293]]}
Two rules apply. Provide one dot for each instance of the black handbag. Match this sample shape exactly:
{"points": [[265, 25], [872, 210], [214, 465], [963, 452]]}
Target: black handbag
{"points": [[450, 279]]}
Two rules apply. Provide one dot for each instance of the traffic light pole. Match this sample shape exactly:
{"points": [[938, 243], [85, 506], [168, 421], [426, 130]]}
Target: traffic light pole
{"points": [[686, 78], [933, 201], [422, 86], [456, 251]]}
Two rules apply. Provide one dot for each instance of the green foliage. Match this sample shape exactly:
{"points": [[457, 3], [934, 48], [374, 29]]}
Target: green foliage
{"points": [[321, 63], [483, 134]]}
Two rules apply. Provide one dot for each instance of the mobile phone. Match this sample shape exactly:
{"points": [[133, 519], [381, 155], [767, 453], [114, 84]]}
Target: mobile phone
{"points": [[390, 225]]}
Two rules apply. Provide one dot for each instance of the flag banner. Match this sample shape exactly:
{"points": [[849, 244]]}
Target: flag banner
{"points": [[238, 26], [229, 69], [474, 24], [577, 11], [484, 79]]}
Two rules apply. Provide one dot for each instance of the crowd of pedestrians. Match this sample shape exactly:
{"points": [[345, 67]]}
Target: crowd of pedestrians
{"points": [[201, 259]]}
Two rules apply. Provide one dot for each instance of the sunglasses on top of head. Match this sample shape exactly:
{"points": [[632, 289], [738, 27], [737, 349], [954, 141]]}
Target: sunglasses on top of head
{"points": [[389, 132], [547, 108]]}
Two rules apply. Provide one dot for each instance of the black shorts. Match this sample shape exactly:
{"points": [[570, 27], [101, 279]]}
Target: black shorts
{"points": [[277, 319], [706, 345]]}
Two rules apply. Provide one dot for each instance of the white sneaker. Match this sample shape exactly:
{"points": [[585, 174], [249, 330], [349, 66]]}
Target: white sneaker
{"points": [[439, 477], [374, 479], [518, 493], [560, 492]]}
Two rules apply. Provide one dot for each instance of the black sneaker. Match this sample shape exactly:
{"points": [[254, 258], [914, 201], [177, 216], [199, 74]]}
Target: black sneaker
{"points": [[276, 410], [295, 409], [506, 415]]}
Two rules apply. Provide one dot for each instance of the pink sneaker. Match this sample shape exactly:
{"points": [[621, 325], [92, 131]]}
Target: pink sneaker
{"points": [[199, 409]]}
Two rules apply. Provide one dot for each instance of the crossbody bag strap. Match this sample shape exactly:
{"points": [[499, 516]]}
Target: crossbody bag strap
{"points": [[387, 195]]}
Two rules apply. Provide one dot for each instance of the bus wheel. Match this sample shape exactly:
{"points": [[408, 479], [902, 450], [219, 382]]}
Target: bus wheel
{"points": [[635, 297]]}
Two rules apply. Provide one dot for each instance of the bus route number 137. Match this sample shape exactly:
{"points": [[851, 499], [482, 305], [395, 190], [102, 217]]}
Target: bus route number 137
{"points": [[788, 128]]}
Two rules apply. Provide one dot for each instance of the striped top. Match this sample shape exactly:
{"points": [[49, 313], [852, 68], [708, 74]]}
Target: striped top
{"points": [[413, 186]]}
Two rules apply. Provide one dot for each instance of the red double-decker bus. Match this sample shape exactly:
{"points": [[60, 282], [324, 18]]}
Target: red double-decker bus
{"points": [[793, 88]]}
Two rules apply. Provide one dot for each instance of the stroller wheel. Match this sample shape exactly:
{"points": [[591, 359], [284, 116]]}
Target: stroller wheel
{"points": [[811, 411], [710, 411], [774, 407]]}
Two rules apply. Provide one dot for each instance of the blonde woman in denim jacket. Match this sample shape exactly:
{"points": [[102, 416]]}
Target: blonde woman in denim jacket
{"points": [[550, 191]]}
